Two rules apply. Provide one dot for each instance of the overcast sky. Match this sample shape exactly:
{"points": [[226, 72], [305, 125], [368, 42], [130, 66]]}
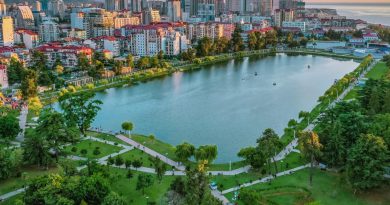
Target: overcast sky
{"points": [[350, 1]]}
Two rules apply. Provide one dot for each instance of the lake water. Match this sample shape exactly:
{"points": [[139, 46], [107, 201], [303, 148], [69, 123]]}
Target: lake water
{"points": [[224, 104], [378, 13]]}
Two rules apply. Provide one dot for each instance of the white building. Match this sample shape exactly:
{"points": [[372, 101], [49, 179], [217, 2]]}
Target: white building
{"points": [[6, 31], [48, 31], [112, 44], [295, 24]]}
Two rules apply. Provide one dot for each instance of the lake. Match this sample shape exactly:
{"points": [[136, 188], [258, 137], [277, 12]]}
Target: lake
{"points": [[224, 104]]}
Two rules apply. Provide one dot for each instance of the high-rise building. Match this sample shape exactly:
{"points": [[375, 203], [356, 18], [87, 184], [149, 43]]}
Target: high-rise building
{"points": [[205, 9], [136, 5], [37, 6], [48, 31], [24, 18], [116, 5], [151, 16], [6, 31], [234, 5], [3, 8], [174, 10], [283, 15], [266, 7], [56, 8]]}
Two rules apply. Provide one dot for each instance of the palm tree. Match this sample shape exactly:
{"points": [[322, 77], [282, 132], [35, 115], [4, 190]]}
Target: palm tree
{"points": [[128, 126], [310, 146]]}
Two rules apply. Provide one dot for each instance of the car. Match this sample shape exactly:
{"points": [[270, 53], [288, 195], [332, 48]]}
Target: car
{"points": [[213, 186]]}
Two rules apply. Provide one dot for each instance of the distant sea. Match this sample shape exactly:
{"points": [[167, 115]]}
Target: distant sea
{"points": [[378, 13]]}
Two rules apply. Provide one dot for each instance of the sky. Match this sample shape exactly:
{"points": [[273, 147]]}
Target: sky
{"points": [[349, 1]]}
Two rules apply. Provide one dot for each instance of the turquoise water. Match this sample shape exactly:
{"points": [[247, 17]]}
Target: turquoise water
{"points": [[224, 104], [378, 13]]}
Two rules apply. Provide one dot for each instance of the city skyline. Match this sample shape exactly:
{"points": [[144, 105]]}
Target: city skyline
{"points": [[348, 1]]}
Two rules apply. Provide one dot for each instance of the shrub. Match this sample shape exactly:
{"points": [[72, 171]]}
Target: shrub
{"points": [[96, 151], [84, 151], [74, 149]]}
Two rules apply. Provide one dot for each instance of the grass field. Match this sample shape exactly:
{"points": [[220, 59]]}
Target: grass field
{"points": [[127, 188], [156, 145], [378, 71], [14, 183], [328, 189], [140, 155], [225, 182], [226, 166], [89, 145]]}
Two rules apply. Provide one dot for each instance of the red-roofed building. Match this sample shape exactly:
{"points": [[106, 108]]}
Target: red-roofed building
{"points": [[67, 54], [29, 38]]}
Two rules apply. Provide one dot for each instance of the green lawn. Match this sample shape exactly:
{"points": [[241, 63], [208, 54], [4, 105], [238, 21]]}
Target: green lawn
{"points": [[353, 94], [127, 188], [89, 145], [328, 189], [13, 200], [156, 145], [225, 182], [105, 136], [226, 166], [378, 71], [138, 154], [14, 183]]}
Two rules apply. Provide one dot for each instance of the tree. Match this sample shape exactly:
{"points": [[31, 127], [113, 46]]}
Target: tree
{"points": [[15, 71], [206, 153], [79, 109], [144, 181], [59, 69], [29, 85], [204, 47], [128, 126], [197, 191], [9, 128], [127, 163], [130, 60], [160, 168], [97, 70], [310, 147], [365, 162], [143, 63], [305, 115], [252, 41], [38, 61], [118, 161], [254, 156], [184, 151], [118, 67], [251, 197], [113, 199], [137, 163], [237, 43], [292, 124], [271, 38], [10, 162], [129, 174], [36, 150], [270, 144], [221, 45], [83, 62], [52, 127]]}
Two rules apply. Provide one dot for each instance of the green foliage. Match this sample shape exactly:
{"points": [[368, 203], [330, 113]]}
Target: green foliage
{"points": [[10, 163], [236, 42], [118, 160], [206, 152], [365, 162], [29, 84], [15, 71], [253, 156], [57, 189], [269, 144], [184, 151], [144, 181], [9, 128], [79, 109], [83, 62], [36, 150], [113, 199], [128, 126]]}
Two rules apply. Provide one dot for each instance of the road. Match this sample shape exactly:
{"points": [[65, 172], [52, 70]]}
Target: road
{"points": [[22, 123]]}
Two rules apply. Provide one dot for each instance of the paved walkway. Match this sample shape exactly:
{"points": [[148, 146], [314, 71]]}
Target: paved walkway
{"points": [[11, 194], [22, 123], [151, 152]]}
